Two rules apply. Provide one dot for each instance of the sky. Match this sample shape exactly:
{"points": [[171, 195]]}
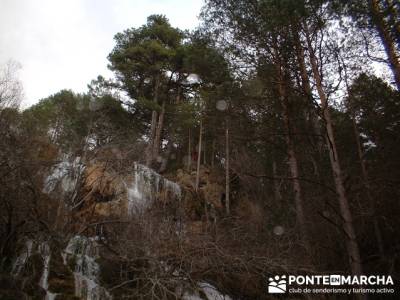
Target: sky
{"points": [[63, 44]]}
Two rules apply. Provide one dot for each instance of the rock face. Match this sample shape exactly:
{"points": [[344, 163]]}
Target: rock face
{"points": [[95, 193], [103, 195], [211, 190], [100, 191]]}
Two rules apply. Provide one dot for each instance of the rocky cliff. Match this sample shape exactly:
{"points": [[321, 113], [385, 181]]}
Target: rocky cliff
{"points": [[114, 224]]}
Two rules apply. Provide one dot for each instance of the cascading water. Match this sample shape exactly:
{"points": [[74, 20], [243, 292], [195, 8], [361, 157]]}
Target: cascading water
{"points": [[22, 258], [43, 249], [141, 191], [45, 252], [145, 188], [85, 251]]}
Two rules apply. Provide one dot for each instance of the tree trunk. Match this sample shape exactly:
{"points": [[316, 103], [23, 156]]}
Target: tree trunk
{"points": [[348, 227], [364, 173], [199, 156], [189, 151], [378, 233], [305, 83], [213, 154], [178, 93], [293, 163], [394, 12], [150, 147], [160, 125], [149, 152], [165, 161], [294, 172], [227, 177], [277, 191], [387, 40], [204, 151]]}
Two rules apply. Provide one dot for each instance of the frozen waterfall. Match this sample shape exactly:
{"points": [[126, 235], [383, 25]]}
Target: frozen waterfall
{"points": [[85, 251], [145, 188]]}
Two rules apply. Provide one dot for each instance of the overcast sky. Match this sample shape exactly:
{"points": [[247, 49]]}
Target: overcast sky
{"points": [[63, 44]]}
